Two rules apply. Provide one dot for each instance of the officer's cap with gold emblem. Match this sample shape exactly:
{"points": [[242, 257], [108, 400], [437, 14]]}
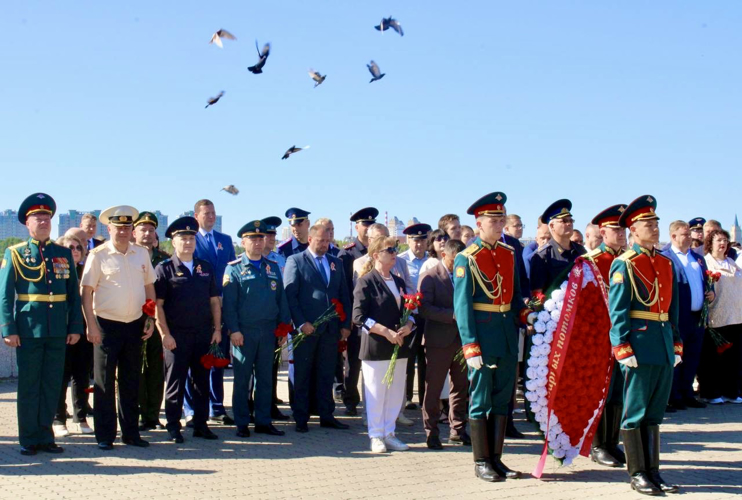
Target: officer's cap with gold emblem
{"points": [[641, 209], [253, 228], [609, 217], [146, 218], [365, 216], [417, 231], [557, 210], [121, 215], [697, 224], [182, 226], [489, 204], [271, 224], [296, 215], [37, 203]]}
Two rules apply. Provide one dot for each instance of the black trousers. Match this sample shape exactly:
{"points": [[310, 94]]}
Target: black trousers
{"points": [[685, 373], [417, 353], [78, 361], [119, 354], [352, 396], [189, 347], [315, 356], [720, 374]]}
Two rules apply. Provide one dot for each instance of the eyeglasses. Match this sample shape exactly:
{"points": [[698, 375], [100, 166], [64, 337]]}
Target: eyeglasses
{"points": [[391, 250], [75, 247], [442, 237], [519, 226]]}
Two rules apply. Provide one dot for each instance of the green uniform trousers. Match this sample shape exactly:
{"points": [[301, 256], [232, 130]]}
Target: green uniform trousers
{"points": [[646, 393], [490, 390], [40, 370], [152, 381]]}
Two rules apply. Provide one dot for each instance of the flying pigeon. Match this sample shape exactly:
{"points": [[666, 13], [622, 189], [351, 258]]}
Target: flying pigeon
{"points": [[214, 100], [258, 68], [390, 22], [292, 150], [317, 77], [231, 189], [375, 72], [217, 37]]}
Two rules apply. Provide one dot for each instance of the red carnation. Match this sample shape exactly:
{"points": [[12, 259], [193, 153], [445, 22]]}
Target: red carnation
{"points": [[89, 390], [207, 360], [149, 308], [342, 346], [282, 330], [723, 347], [339, 309]]}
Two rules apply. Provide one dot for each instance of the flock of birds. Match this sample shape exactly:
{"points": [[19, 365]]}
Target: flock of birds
{"points": [[222, 34]]}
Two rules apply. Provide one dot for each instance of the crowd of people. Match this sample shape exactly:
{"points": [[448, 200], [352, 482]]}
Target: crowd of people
{"points": [[152, 327]]}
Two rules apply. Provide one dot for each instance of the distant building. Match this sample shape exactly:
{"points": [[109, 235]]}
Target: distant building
{"points": [[217, 225], [10, 226], [735, 234], [285, 233], [73, 218], [396, 227]]}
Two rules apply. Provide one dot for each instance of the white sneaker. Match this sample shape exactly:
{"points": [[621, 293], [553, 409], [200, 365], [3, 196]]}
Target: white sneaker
{"points": [[84, 428], [736, 401], [60, 430], [377, 445], [394, 444], [402, 420], [715, 401]]}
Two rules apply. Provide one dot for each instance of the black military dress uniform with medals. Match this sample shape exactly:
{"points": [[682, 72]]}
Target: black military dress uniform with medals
{"points": [[40, 311]]}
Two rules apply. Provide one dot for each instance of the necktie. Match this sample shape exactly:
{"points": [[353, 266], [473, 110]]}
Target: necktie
{"points": [[322, 271], [212, 248]]}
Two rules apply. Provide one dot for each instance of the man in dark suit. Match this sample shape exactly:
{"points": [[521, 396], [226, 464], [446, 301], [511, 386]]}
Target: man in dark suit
{"points": [[312, 280], [690, 275], [89, 224], [442, 342], [217, 249]]}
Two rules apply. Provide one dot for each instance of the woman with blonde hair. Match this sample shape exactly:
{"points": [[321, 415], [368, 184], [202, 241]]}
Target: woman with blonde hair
{"points": [[377, 310]]}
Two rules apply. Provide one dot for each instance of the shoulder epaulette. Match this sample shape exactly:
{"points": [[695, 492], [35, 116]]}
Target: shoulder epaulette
{"points": [[235, 261], [593, 253], [97, 249], [284, 243], [503, 244], [165, 261], [627, 255], [19, 245], [471, 250], [349, 246]]}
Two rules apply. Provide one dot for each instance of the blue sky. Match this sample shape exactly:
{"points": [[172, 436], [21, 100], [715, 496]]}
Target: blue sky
{"points": [[599, 102]]}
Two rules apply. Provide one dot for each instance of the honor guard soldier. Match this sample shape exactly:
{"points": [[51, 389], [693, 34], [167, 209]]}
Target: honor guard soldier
{"points": [[554, 258], [605, 450], [152, 380], [189, 321], [488, 307], [254, 306], [40, 313], [299, 222], [643, 304]]}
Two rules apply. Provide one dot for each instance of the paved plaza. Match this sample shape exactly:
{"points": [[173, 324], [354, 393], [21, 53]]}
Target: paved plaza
{"points": [[701, 450]]}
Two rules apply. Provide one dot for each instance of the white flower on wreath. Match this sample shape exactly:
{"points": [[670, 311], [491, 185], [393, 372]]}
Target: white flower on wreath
{"points": [[539, 326], [550, 305], [544, 316]]}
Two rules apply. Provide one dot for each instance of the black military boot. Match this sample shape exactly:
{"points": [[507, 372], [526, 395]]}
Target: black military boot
{"points": [[482, 467], [599, 451], [651, 440], [497, 425], [632, 443], [613, 428]]}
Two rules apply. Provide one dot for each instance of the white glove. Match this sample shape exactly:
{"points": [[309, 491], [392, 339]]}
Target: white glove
{"points": [[678, 360], [475, 362], [531, 318], [630, 362]]}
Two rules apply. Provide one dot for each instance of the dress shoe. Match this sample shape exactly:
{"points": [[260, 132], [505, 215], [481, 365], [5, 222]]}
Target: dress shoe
{"points": [[434, 443], [678, 405], [277, 415], [333, 424], [302, 428], [602, 456], [135, 441], [462, 438], [222, 419], [205, 433], [410, 405], [278, 401], [694, 403], [243, 431], [715, 401], [268, 429], [176, 436], [351, 411], [29, 450], [50, 448], [146, 426], [735, 401], [105, 445]]}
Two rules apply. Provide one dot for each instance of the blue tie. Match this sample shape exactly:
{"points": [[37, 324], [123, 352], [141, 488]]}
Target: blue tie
{"points": [[322, 271], [212, 249]]}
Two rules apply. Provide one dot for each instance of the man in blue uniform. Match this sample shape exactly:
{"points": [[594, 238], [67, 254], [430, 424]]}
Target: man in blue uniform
{"points": [[299, 222], [40, 313]]}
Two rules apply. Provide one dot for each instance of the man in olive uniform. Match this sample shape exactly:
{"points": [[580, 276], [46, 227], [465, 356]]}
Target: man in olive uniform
{"points": [[643, 303], [488, 306], [254, 305], [152, 381], [39, 321], [605, 450]]}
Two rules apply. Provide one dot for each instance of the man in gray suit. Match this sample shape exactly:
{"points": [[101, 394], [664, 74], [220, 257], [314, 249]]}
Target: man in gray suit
{"points": [[442, 342]]}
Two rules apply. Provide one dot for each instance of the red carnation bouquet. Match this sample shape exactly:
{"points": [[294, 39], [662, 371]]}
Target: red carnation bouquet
{"points": [[148, 309], [336, 310], [214, 358], [721, 343], [342, 346], [411, 302]]}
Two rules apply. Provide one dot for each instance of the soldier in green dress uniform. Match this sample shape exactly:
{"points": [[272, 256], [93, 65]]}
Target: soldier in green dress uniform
{"points": [[643, 303], [152, 381], [489, 308], [39, 321]]}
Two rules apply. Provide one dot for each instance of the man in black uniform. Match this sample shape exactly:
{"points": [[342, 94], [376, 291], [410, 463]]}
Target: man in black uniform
{"points": [[299, 241], [189, 320], [363, 218]]}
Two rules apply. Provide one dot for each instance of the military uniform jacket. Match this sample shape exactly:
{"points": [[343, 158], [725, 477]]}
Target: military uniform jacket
{"points": [[550, 261], [487, 300], [603, 257], [291, 247], [643, 303], [44, 278], [187, 296], [253, 296]]}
